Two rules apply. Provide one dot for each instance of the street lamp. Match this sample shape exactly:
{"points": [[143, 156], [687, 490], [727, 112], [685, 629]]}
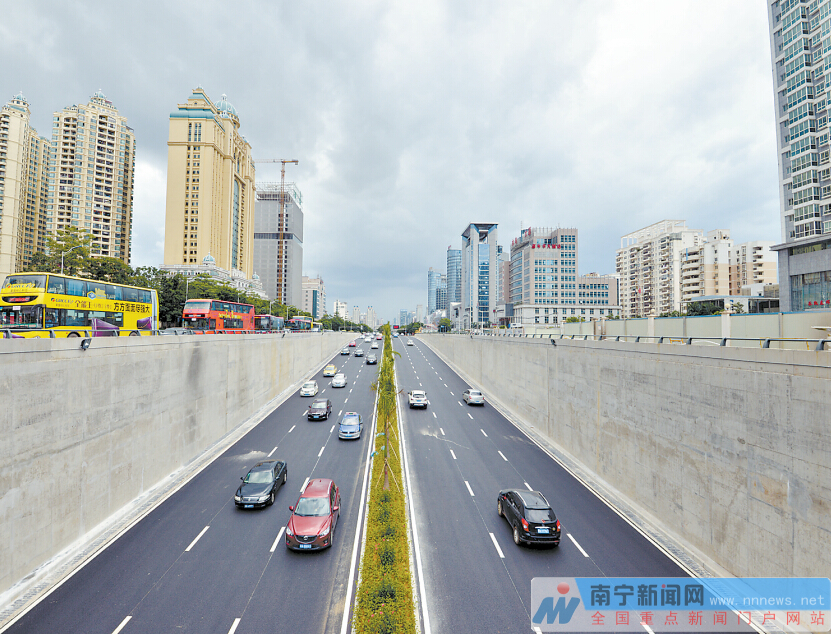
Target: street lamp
{"points": [[77, 246]]}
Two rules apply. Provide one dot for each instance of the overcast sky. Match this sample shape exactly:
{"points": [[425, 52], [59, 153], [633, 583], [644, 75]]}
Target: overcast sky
{"points": [[412, 119]]}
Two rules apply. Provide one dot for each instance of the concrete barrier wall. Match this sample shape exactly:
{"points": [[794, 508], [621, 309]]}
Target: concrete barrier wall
{"points": [[728, 448], [83, 433]]}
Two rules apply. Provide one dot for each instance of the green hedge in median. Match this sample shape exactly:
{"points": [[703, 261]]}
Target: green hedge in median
{"points": [[385, 597]]}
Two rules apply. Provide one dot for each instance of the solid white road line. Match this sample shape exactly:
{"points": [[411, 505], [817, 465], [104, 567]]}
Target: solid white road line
{"points": [[331, 430], [453, 454], [496, 545], [320, 453], [529, 486], [503, 456], [442, 431], [123, 623], [471, 417], [579, 547], [234, 626], [483, 431], [292, 428], [272, 452], [469, 489], [193, 543], [277, 541], [303, 488]]}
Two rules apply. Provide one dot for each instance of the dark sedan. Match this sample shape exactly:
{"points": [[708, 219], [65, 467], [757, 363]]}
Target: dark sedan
{"points": [[259, 487], [320, 409], [530, 516]]}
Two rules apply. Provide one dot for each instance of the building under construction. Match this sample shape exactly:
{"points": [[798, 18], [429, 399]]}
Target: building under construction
{"points": [[278, 241]]}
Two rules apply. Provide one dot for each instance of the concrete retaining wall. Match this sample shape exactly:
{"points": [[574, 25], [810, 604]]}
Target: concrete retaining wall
{"points": [[728, 448], [83, 433]]}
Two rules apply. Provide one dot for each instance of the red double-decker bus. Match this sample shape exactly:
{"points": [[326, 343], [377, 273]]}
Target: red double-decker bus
{"points": [[212, 316]]}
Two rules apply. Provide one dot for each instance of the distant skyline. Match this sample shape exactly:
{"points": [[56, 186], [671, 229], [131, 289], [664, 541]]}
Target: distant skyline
{"points": [[412, 121]]}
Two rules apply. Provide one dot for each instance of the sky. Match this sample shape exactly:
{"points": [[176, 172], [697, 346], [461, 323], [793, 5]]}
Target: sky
{"points": [[412, 120]]}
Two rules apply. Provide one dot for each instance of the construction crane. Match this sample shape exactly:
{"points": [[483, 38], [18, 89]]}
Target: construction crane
{"points": [[282, 228]]}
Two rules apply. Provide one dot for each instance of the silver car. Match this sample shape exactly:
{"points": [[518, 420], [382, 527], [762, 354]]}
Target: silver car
{"points": [[473, 397], [339, 380]]}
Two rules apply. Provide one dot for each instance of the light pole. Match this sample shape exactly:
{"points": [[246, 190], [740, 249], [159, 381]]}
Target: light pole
{"points": [[77, 246]]}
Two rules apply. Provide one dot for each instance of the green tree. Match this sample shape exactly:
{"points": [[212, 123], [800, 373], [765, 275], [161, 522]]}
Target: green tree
{"points": [[108, 270], [445, 325], [74, 245], [738, 308]]}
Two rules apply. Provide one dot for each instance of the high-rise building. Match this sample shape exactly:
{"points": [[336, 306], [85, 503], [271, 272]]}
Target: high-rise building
{"points": [[441, 293], [356, 315], [91, 174], [210, 187], [371, 318], [340, 310], [419, 313], [454, 275], [479, 273], [23, 187], [705, 268], [752, 263], [543, 282], [314, 296], [649, 265], [433, 279], [798, 43], [278, 241], [405, 317]]}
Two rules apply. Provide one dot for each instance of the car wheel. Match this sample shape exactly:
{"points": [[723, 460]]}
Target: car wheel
{"points": [[517, 540], [499, 508], [271, 499]]}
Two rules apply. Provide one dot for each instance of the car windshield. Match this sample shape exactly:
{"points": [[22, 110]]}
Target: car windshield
{"points": [[473, 393], [540, 515], [351, 421], [312, 506], [309, 385], [418, 394], [319, 405], [258, 477]]}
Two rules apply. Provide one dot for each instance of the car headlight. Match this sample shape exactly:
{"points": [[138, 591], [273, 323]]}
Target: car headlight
{"points": [[263, 498], [237, 498], [324, 532], [289, 531]]}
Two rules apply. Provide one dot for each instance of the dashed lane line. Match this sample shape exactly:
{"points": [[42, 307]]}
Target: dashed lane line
{"points": [[123, 623], [193, 543], [277, 541], [496, 545], [272, 452], [452, 453], [292, 428], [305, 482], [467, 484], [579, 547], [503, 456], [442, 431], [483, 432]]}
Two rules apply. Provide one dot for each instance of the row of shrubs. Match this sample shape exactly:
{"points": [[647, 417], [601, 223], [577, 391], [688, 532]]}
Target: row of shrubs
{"points": [[385, 595]]}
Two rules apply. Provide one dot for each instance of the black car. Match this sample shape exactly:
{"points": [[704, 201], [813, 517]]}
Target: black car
{"points": [[259, 487], [530, 516], [320, 409]]}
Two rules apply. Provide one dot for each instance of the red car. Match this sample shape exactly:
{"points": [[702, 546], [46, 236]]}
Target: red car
{"points": [[351, 344], [314, 518]]}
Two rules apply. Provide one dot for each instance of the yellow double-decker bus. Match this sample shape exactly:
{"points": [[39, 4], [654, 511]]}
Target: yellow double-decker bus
{"points": [[52, 305]]}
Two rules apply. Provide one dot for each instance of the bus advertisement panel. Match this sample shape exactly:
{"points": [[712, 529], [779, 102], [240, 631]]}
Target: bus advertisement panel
{"points": [[300, 323], [45, 304], [268, 323], [212, 315]]}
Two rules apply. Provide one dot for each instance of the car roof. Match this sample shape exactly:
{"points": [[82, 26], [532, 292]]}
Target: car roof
{"points": [[320, 401], [265, 465], [418, 392], [532, 499], [351, 414], [317, 488], [309, 382]]}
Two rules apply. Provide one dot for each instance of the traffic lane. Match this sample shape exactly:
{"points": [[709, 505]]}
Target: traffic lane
{"points": [[453, 537], [167, 530]]}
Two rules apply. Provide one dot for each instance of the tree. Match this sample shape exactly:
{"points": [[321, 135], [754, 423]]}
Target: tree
{"points": [[73, 244], [110, 270], [574, 320], [695, 309], [445, 325], [738, 308]]}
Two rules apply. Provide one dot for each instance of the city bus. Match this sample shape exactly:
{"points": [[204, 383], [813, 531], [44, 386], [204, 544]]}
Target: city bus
{"points": [[300, 323], [38, 305], [212, 316], [269, 323]]}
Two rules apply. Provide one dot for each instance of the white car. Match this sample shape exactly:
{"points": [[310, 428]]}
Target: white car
{"points": [[374, 345], [359, 352], [409, 342], [417, 398], [473, 397], [309, 389], [339, 380]]}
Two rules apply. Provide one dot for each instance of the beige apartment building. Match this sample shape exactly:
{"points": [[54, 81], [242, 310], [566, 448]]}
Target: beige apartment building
{"points": [[91, 174], [23, 194], [313, 297], [210, 187], [752, 263]]}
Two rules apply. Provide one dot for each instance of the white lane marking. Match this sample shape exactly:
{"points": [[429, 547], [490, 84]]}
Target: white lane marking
{"points": [[420, 385], [483, 432], [305, 411], [440, 380], [453, 454], [537, 630], [123, 623], [579, 547], [340, 412], [460, 403], [350, 390], [503, 456], [471, 418], [647, 628], [451, 394], [445, 385], [272, 453], [277, 541], [469, 489], [434, 416], [234, 626], [496, 545], [292, 428], [442, 431], [323, 390], [193, 543], [331, 430], [303, 488], [346, 399], [320, 453], [529, 486]]}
